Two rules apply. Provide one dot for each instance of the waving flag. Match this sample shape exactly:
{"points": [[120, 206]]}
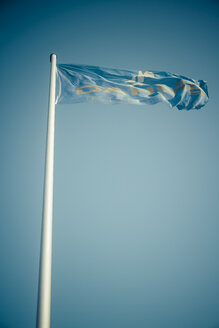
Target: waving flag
{"points": [[82, 83]]}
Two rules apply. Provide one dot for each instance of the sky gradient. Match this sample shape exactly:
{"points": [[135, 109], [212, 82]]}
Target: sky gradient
{"points": [[136, 210]]}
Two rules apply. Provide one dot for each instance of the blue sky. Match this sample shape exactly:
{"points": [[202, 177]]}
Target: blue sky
{"points": [[136, 189]]}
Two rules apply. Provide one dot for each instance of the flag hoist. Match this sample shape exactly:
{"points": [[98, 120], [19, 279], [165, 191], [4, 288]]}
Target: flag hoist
{"points": [[44, 288], [84, 83]]}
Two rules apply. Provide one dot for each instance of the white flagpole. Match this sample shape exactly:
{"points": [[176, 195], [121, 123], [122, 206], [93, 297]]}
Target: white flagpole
{"points": [[44, 291]]}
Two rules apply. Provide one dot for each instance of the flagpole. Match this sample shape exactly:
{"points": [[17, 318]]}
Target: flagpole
{"points": [[44, 288]]}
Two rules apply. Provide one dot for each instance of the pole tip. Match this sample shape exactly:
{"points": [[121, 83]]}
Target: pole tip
{"points": [[51, 56]]}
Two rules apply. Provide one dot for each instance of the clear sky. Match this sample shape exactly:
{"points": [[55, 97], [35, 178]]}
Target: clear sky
{"points": [[136, 194]]}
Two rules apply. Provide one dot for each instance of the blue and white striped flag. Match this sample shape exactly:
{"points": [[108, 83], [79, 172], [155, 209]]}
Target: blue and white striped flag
{"points": [[82, 83]]}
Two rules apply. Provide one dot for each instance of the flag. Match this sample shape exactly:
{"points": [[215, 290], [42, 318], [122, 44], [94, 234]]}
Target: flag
{"points": [[82, 83]]}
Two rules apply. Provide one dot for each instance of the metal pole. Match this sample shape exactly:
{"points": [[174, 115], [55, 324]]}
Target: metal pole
{"points": [[44, 291]]}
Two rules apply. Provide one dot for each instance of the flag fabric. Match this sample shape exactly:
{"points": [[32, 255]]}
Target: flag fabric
{"points": [[82, 83]]}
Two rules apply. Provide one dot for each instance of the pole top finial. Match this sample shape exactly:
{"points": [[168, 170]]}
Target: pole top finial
{"points": [[51, 56]]}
